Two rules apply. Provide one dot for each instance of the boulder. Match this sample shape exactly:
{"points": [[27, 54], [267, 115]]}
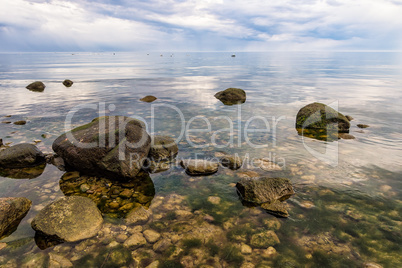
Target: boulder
{"points": [[232, 162], [21, 155], [197, 167], [231, 96], [162, 147], [37, 86], [318, 116], [111, 145], [69, 219], [12, 211], [148, 99], [68, 83], [264, 189]]}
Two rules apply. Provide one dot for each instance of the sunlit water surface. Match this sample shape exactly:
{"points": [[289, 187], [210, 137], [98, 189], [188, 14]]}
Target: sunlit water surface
{"points": [[346, 210]]}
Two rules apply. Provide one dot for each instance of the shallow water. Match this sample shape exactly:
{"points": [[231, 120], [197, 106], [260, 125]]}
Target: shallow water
{"points": [[346, 210]]}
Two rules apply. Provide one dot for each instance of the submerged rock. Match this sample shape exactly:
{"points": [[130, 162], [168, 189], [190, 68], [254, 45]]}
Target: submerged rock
{"points": [[149, 98], [23, 173], [20, 122], [318, 116], [232, 162], [276, 208], [231, 96], [264, 239], [197, 167], [36, 86], [68, 83], [21, 155], [12, 211], [138, 215], [69, 219], [349, 117], [346, 136], [109, 146]]}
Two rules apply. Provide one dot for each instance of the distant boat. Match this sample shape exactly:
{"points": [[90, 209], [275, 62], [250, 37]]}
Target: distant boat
{"points": [[233, 55]]}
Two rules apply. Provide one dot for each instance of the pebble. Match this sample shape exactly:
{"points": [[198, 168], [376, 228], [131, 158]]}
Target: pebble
{"points": [[136, 240], [154, 264], [121, 238], [151, 236], [2, 245], [269, 252], [113, 244], [246, 249], [214, 200]]}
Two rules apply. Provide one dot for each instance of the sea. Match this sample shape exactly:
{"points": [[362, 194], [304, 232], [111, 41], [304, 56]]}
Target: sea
{"points": [[346, 210]]}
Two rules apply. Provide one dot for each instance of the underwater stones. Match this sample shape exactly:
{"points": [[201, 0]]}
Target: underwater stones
{"points": [[68, 83], [58, 261], [362, 126], [264, 189], [151, 236], [149, 98], [276, 208], [37, 86], [135, 241], [110, 145], [232, 162], [162, 245], [12, 211], [138, 215], [245, 249], [269, 252], [21, 155], [162, 147], [318, 116], [23, 173], [214, 200], [346, 136], [69, 219], [264, 239], [197, 167], [231, 96]]}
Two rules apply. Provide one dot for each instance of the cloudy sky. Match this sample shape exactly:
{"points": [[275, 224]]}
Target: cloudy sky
{"points": [[200, 25]]}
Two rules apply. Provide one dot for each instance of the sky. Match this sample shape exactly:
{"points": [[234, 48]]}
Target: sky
{"points": [[200, 25]]}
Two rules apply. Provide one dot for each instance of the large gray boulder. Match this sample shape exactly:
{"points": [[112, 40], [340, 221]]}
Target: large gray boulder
{"points": [[69, 219], [110, 145], [231, 96], [318, 116], [20, 156], [12, 211]]}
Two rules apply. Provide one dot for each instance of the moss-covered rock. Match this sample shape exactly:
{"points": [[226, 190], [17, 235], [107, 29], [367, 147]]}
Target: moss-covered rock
{"points": [[23, 173], [37, 86], [149, 98], [264, 239], [231, 161], [320, 116], [12, 211], [231, 96], [69, 219], [162, 147], [197, 167], [114, 146]]}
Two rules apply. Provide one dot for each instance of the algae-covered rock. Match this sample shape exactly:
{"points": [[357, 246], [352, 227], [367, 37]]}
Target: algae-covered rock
{"points": [[231, 161], [149, 98], [138, 215], [362, 126], [37, 86], [21, 155], [12, 211], [264, 239], [198, 167], [231, 96], [276, 208], [69, 219], [23, 173], [318, 116], [20, 122], [110, 146], [68, 83], [264, 189]]}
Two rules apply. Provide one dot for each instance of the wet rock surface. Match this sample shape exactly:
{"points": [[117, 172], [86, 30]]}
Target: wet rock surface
{"points": [[231, 96], [148, 98], [20, 156], [12, 211], [68, 83], [37, 86], [198, 167], [115, 146], [231, 161], [69, 219]]}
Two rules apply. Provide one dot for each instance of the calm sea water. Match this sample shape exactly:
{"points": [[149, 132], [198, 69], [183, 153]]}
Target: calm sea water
{"points": [[346, 211]]}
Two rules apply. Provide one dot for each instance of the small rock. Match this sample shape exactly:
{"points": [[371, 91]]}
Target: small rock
{"points": [[362, 126], [209, 218], [84, 188], [126, 193], [20, 122], [149, 98], [21, 155], [247, 265], [371, 265], [162, 147], [276, 208], [37, 86], [121, 238], [349, 117], [58, 261], [232, 162], [246, 249], [307, 204], [199, 167], [269, 252], [68, 83], [154, 264], [12, 211], [135, 241], [3, 245], [214, 200], [139, 215], [151, 236], [264, 239], [231, 96], [162, 245], [385, 188], [346, 136], [6, 122]]}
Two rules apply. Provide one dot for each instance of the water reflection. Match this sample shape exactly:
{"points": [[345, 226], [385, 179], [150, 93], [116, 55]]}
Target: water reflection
{"points": [[23, 173], [114, 198]]}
